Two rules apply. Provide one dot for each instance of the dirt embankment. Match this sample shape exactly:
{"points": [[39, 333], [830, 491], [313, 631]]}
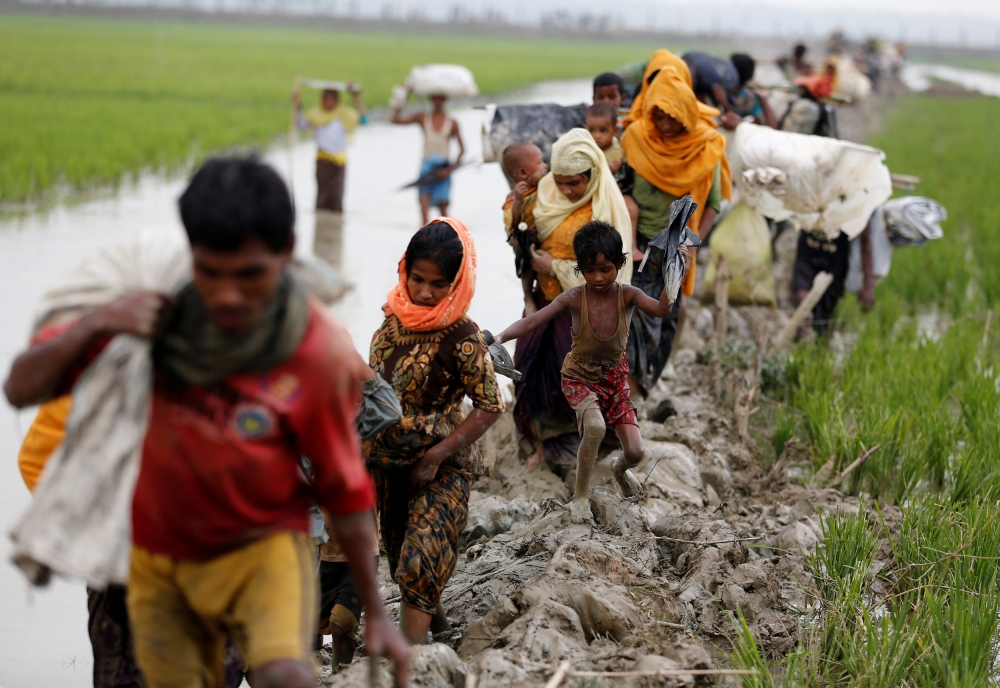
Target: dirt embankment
{"points": [[653, 583]]}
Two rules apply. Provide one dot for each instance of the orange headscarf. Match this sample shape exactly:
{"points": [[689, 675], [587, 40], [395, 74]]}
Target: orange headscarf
{"points": [[451, 307], [661, 60], [684, 164]]}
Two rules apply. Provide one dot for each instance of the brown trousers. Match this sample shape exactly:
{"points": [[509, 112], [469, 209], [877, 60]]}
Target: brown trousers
{"points": [[329, 186]]}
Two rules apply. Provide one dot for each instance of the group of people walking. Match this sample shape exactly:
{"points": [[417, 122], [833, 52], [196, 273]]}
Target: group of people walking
{"points": [[669, 144], [251, 375]]}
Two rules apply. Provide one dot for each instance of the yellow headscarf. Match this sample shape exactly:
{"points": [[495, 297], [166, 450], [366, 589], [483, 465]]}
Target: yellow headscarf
{"points": [[664, 59], [575, 153]]}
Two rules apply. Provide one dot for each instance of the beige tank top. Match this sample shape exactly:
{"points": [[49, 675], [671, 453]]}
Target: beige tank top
{"points": [[437, 140], [590, 354]]}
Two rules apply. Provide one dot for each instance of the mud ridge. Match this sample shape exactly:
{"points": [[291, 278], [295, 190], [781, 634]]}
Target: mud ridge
{"points": [[652, 583]]}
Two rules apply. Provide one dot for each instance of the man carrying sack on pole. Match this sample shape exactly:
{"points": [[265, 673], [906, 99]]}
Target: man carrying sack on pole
{"points": [[332, 124]]}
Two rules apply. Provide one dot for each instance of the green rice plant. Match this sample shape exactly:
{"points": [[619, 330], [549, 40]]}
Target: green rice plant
{"points": [[87, 101], [962, 651], [785, 427], [746, 655]]}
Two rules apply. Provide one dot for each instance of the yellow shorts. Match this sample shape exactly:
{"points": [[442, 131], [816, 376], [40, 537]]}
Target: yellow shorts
{"points": [[263, 595]]}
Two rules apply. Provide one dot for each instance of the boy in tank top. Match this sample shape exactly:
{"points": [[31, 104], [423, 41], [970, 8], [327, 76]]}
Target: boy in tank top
{"points": [[595, 371], [439, 129]]}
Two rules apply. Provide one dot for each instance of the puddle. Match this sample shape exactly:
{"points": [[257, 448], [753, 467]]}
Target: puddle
{"points": [[918, 77], [43, 636]]}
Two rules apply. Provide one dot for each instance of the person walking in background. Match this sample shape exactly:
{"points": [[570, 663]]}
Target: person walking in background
{"points": [[743, 103], [436, 165], [332, 124]]}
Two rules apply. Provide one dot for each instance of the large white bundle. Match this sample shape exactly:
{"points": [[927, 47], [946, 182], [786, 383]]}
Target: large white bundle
{"points": [[453, 81], [849, 80], [819, 184]]}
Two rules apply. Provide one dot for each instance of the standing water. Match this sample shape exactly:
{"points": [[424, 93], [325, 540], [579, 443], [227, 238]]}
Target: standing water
{"points": [[43, 634], [919, 77]]}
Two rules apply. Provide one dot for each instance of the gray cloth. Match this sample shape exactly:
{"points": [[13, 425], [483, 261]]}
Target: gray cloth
{"points": [[78, 524], [195, 351], [380, 408]]}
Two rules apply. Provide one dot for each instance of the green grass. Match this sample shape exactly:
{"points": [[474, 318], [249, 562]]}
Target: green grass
{"points": [[930, 398], [87, 101]]}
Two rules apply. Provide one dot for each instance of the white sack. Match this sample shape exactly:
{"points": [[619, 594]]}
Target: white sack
{"points": [[819, 184], [453, 81], [849, 80], [78, 524]]}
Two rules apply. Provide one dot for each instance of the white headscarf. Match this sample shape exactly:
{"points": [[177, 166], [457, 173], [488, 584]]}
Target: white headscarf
{"points": [[575, 153]]}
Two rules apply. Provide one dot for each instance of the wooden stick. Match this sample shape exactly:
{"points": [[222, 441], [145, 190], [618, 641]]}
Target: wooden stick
{"points": [[847, 471], [560, 674], [721, 322], [665, 672], [678, 626], [777, 468], [711, 542], [820, 284], [292, 135], [743, 409]]}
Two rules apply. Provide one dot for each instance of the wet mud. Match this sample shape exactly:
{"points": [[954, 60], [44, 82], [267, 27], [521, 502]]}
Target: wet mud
{"points": [[652, 583]]}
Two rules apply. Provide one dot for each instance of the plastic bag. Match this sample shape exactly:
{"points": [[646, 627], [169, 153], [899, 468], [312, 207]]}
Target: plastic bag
{"points": [[914, 220], [539, 124], [819, 184], [742, 237], [453, 81], [380, 408], [708, 70]]}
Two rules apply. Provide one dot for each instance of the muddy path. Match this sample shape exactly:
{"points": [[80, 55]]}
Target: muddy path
{"points": [[653, 583]]}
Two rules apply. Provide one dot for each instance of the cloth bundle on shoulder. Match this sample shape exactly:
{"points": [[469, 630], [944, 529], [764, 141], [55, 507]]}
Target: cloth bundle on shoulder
{"points": [[453, 81], [819, 184], [79, 523], [743, 239]]}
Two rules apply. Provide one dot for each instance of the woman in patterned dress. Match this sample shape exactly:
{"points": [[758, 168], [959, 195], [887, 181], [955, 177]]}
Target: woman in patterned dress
{"points": [[434, 357]]}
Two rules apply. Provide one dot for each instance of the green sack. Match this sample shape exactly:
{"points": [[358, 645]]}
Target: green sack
{"points": [[744, 240]]}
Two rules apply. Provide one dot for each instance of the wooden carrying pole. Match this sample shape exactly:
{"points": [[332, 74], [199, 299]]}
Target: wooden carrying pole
{"points": [[292, 135]]}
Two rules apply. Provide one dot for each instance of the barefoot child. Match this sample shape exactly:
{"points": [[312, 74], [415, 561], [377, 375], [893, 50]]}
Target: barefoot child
{"points": [[602, 123], [594, 373], [525, 166]]}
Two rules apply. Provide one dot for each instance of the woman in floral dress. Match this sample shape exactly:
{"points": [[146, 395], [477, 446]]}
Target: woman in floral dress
{"points": [[434, 357]]}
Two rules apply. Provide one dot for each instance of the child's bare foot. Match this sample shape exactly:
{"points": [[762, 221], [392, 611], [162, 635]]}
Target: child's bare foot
{"points": [[629, 484], [533, 462], [579, 511]]}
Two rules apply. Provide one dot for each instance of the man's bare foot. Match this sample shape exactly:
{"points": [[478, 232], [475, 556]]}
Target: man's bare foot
{"points": [[533, 462], [579, 511]]}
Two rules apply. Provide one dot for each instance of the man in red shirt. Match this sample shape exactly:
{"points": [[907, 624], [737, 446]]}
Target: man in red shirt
{"points": [[250, 375]]}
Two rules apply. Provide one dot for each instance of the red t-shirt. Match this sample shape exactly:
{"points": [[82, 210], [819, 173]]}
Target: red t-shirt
{"points": [[221, 464]]}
